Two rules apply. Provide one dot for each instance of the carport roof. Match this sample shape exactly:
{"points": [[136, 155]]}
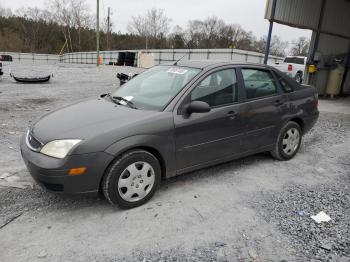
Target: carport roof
{"points": [[327, 16]]}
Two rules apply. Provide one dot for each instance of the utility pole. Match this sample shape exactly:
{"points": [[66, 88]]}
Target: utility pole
{"points": [[108, 27], [97, 32]]}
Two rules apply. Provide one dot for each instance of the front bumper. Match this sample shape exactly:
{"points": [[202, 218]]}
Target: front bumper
{"points": [[52, 173]]}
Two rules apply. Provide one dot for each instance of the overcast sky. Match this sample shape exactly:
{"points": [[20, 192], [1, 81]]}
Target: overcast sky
{"points": [[248, 13]]}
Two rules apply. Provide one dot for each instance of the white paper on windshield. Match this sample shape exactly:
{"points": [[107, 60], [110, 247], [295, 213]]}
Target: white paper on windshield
{"points": [[129, 98], [179, 71]]}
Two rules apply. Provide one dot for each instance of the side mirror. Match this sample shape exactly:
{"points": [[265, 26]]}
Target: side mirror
{"points": [[197, 107]]}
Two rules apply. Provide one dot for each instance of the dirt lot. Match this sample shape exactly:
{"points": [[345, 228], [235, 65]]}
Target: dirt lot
{"points": [[253, 209]]}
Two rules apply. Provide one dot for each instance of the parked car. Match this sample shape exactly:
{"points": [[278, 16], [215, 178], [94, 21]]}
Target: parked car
{"points": [[169, 120], [293, 66]]}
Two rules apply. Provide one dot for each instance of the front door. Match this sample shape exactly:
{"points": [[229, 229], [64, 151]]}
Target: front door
{"points": [[205, 137]]}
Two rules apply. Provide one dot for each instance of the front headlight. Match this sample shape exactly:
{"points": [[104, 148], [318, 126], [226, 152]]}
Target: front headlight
{"points": [[59, 148]]}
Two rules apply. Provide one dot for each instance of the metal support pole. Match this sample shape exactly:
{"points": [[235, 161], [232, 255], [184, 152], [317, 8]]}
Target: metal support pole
{"points": [[97, 32], [346, 72], [268, 42], [318, 32]]}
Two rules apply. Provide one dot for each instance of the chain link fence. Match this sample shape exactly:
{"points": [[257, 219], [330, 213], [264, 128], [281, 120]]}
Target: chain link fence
{"points": [[160, 56], [32, 58], [170, 55]]}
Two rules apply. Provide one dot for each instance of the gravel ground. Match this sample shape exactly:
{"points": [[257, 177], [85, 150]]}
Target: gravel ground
{"points": [[291, 211], [244, 210]]}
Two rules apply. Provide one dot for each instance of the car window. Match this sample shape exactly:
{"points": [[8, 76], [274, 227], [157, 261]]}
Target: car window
{"points": [[258, 83], [219, 88], [286, 87]]}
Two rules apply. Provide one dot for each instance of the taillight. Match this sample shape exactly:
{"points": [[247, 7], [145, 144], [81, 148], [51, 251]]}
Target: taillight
{"points": [[290, 67]]}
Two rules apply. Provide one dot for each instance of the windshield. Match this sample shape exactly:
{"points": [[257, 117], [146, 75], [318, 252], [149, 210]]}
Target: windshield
{"points": [[156, 87]]}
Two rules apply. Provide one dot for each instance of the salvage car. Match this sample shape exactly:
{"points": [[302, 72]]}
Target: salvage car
{"points": [[169, 120]]}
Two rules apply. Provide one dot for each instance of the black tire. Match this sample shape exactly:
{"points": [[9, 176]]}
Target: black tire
{"points": [[299, 77], [111, 177], [278, 151]]}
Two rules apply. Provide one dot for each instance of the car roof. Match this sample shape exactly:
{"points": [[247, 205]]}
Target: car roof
{"points": [[208, 64]]}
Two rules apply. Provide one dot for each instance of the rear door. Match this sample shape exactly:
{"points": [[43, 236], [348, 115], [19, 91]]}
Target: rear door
{"points": [[206, 137], [264, 107]]}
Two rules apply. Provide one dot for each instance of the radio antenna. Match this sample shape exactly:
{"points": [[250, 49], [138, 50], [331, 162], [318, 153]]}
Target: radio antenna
{"points": [[175, 64]]}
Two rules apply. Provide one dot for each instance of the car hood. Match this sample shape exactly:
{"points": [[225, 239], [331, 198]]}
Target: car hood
{"points": [[85, 120]]}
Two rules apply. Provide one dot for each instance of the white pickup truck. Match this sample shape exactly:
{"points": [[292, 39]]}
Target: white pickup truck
{"points": [[294, 66]]}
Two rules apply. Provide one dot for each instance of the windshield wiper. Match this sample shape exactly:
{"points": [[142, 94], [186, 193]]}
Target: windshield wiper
{"points": [[119, 99]]}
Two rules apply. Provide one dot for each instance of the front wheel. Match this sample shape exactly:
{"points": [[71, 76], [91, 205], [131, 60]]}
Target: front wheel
{"points": [[288, 142], [132, 179]]}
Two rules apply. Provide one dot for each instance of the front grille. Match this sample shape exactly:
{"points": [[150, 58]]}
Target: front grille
{"points": [[33, 143]]}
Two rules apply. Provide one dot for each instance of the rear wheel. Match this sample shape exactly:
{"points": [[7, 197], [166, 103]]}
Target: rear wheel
{"points": [[288, 142], [132, 179], [299, 77]]}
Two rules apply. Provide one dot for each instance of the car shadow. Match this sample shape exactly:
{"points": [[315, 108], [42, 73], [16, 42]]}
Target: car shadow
{"points": [[216, 171], [38, 199]]}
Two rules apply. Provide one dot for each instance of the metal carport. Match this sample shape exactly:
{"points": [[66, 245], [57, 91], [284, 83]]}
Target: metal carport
{"points": [[329, 21]]}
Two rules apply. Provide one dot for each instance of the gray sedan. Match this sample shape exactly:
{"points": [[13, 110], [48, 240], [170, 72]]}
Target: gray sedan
{"points": [[167, 121]]}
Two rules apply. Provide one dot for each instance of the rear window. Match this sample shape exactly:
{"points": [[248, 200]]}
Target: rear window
{"points": [[294, 60], [258, 83]]}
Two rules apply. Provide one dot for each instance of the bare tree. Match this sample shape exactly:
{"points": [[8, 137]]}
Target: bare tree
{"points": [[213, 32], [211, 28], [64, 17], [31, 31], [81, 17], [154, 24], [300, 47], [277, 46], [194, 33], [240, 39], [72, 14], [5, 12], [138, 26], [177, 38]]}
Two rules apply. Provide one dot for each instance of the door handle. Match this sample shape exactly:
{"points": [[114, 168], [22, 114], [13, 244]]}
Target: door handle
{"points": [[232, 114], [278, 103]]}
